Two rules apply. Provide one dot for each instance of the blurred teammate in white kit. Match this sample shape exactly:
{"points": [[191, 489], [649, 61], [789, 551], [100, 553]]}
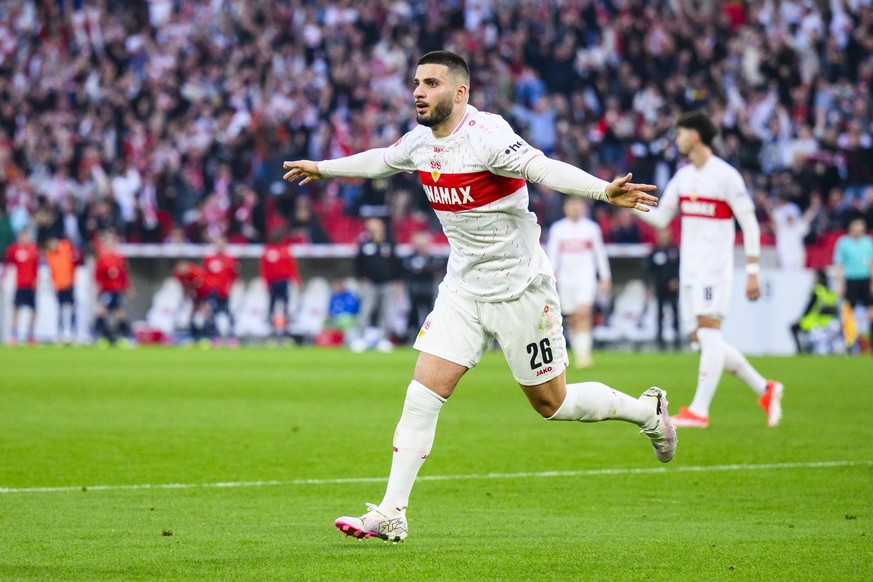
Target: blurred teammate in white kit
{"points": [[575, 248], [709, 194]]}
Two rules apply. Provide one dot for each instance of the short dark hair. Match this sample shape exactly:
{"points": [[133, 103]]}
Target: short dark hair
{"points": [[701, 123], [456, 63]]}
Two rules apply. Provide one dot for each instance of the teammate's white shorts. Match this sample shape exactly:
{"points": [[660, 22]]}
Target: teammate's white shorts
{"points": [[529, 330], [708, 298], [576, 292]]}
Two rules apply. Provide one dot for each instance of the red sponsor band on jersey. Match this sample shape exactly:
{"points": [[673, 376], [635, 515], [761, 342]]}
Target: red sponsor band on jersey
{"points": [[575, 245], [468, 191], [697, 207]]}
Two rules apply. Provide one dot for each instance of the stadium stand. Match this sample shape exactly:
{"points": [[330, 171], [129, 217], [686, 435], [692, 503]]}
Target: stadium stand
{"points": [[129, 103], [168, 120]]}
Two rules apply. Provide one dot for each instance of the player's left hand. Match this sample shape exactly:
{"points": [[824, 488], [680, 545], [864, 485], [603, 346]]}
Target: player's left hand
{"points": [[753, 287], [621, 192]]}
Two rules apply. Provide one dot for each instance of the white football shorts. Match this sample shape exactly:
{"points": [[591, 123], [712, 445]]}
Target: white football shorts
{"points": [[529, 330], [575, 293], [709, 298]]}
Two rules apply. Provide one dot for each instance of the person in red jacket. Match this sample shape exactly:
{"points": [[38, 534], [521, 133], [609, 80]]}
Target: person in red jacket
{"points": [[223, 271], [195, 281], [278, 267], [111, 274], [24, 255]]}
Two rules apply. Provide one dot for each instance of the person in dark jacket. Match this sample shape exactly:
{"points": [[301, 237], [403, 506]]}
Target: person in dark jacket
{"points": [[662, 273], [378, 269], [420, 268]]}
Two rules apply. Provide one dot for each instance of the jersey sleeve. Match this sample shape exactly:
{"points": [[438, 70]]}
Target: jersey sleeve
{"points": [[668, 205], [744, 210], [375, 163], [498, 147], [505, 153]]}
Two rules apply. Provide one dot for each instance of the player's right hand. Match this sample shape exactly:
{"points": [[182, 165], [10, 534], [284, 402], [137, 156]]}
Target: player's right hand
{"points": [[301, 169]]}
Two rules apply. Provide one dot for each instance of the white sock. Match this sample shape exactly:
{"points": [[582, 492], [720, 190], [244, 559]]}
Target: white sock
{"points": [[711, 366], [582, 344], [593, 402], [24, 317], [412, 442], [737, 364]]}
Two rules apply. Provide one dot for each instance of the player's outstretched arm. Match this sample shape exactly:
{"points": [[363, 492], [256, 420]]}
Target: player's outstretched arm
{"points": [[374, 163], [622, 192], [569, 179], [305, 169]]}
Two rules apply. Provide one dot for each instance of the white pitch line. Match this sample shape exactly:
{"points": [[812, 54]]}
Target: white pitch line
{"points": [[482, 476]]}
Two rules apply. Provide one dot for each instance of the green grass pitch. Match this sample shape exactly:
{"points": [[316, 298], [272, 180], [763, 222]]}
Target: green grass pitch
{"points": [[268, 447]]}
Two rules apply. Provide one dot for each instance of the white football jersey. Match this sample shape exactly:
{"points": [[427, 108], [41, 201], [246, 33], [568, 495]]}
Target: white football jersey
{"points": [[707, 199], [577, 252], [473, 180]]}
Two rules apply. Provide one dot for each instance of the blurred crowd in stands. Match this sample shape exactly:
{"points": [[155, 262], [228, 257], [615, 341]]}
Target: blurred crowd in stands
{"points": [[169, 119]]}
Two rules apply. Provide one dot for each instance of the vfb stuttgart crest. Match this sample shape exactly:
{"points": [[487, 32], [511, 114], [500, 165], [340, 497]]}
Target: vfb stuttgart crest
{"points": [[435, 169]]}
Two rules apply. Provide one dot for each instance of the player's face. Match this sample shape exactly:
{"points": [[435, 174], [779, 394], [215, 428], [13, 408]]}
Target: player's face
{"points": [[574, 208], [434, 94], [685, 139]]}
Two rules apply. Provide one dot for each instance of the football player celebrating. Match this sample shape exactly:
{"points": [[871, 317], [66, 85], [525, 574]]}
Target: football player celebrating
{"points": [[499, 282]]}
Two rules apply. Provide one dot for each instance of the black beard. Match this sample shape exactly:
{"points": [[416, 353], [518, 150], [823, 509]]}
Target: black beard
{"points": [[441, 112]]}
